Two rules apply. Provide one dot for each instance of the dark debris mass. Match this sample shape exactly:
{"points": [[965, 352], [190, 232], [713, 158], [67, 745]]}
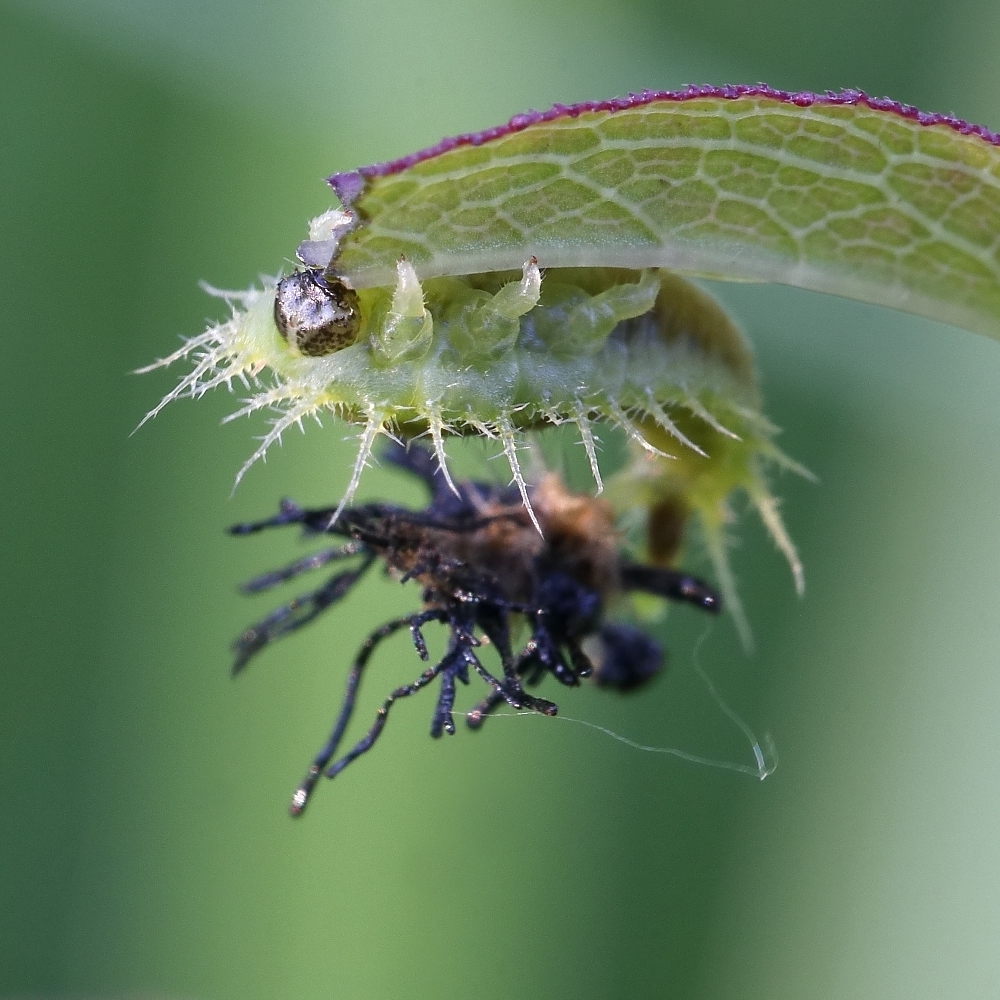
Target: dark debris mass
{"points": [[484, 570]]}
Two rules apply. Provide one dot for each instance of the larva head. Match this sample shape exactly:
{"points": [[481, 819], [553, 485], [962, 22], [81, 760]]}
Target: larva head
{"points": [[316, 315]]}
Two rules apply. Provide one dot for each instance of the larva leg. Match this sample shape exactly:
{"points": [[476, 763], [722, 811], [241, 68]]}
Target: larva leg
{"points": [[289, 512], [443, 720], [405, 331], [512, 693]]}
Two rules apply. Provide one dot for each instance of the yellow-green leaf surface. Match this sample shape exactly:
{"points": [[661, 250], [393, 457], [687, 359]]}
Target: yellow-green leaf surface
{"points": [[837, 193]]}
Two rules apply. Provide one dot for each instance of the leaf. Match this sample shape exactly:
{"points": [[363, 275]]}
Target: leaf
{"points": [[838, 193]]}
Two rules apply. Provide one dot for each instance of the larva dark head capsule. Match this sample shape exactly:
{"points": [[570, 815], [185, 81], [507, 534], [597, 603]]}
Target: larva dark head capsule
{"points": [[315, 314]]}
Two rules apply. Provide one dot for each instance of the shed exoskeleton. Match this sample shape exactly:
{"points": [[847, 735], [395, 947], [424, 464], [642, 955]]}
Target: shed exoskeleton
{"points": [[487, 575]]}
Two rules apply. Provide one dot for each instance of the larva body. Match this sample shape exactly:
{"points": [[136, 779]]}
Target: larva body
{"points": [[517, 277]]}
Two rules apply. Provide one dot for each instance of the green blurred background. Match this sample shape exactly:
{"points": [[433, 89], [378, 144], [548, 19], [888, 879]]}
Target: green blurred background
{"points": [[144, 844]]}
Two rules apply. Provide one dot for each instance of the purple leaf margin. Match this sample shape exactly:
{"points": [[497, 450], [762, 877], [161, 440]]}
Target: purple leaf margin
{"points": [[348, 186]]}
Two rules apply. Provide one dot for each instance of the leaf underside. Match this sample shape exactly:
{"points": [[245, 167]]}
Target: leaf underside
{"points": [[881, 205]]}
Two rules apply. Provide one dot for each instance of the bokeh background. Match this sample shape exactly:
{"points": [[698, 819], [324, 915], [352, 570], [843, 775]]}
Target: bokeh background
{"points": [[144, 844]]}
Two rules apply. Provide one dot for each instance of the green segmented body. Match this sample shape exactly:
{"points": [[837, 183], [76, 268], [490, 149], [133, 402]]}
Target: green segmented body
{"points": [[839, 194]]}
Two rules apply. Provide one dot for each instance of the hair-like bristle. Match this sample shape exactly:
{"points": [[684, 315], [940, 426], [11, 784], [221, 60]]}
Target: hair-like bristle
{"points": [[658, 414], [767, 508], [436, 426], [695, 406], [506, 431], [374, 426], [582, 421], [621, 419]]}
